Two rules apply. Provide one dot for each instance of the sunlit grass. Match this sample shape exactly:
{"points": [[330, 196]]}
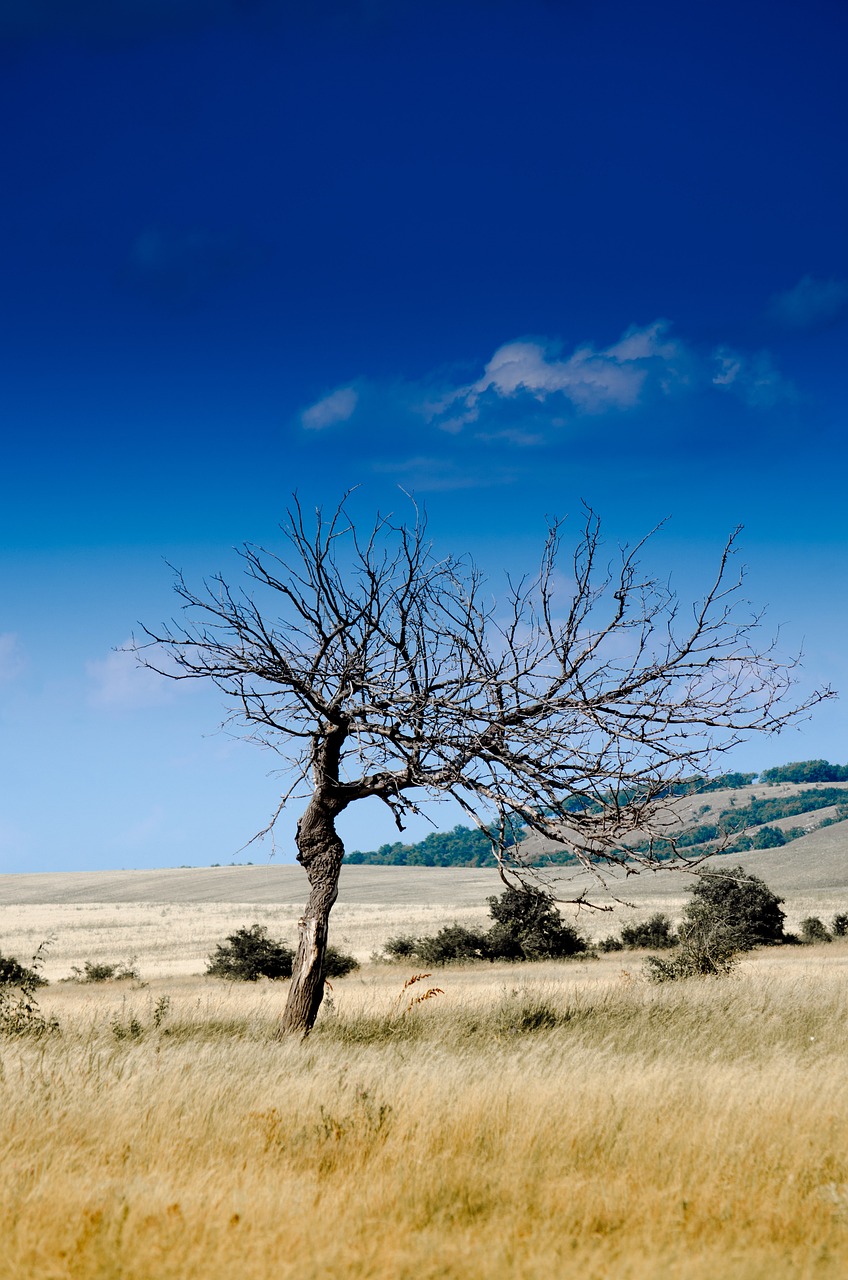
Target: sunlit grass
{"points": [[553, 1120]]}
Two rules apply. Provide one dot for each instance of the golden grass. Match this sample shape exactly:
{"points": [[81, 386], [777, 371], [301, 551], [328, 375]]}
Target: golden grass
{"points": [[533, 1122]]}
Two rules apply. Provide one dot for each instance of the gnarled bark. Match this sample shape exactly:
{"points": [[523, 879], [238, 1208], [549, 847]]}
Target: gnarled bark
{"points": [[320, 852]]}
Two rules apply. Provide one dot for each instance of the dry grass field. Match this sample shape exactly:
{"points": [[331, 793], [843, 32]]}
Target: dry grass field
{"points": [[561, 1119], [170, 920]]}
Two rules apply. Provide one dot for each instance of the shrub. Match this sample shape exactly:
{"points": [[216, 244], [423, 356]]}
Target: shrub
{"points": [[655, 934], [337, 964], [840, 926], [19, 1011], [730, 912], [402, 947], [14, 974], [733, 903], [611, 944], [249, 954], [813, 930], [452, 943], [121, 972], [528, 926], [768, 838]]}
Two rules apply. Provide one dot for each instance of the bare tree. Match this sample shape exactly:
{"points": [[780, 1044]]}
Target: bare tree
{"points": [[382, 669]]}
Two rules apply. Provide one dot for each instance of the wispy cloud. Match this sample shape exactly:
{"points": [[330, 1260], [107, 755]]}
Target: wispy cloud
{"points": [[753, 378], [336, 407], [119, 682], [588, 381], [529, 391], [12, 657], [810, 304]]}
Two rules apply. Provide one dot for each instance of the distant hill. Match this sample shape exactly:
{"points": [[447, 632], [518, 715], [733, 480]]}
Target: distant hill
{"points": [[735, 813]]}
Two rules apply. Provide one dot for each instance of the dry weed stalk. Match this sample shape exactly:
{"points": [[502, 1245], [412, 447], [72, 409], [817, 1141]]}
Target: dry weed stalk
{"points": [[429, 994]]}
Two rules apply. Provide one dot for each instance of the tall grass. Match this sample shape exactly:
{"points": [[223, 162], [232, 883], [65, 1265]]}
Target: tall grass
{"points": [[531, 1125]]}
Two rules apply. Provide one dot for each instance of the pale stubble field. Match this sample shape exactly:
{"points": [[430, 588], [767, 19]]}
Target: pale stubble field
{"points": [[561, 1119]]}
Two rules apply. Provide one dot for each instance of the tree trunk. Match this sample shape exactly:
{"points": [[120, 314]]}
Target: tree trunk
{"points": [[320, 852]]}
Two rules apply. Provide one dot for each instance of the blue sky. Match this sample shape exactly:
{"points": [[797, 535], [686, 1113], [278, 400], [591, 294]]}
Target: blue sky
{"points": [[510, 256]]}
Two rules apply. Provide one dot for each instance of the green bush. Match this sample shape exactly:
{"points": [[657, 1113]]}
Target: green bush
{"points": [[19, 1011], [730, 912], [337, 964], [15, 974], [814, 930], [737, 904], [839, 927], [249, 954], [122, 972], [656, 934], [452, 943], [402, 947], [528, 926]]}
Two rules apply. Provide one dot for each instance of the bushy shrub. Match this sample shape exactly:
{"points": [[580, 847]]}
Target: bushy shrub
{"points": [[655, 934], [19, 1011], [249, 954], [839, 928], [15, 974], [739, 905], [402, 947], [122, 972], [611, 944], [814, 930], [452, 943], [768, 838], [527, 926], [697, 957], [730, 912], [337, 964]]}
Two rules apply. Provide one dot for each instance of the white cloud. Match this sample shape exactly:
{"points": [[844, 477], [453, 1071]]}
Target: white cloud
{"points": [[12, 657], [119, 682], [810, 304], [753, 378], [591, 380], [529, 389], [338, 406]]}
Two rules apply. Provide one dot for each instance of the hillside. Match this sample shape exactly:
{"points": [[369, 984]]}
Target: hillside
{"points": [[749, 814]]}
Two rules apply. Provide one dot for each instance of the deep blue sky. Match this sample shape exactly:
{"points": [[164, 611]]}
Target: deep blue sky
{"points": [[507, 255]]}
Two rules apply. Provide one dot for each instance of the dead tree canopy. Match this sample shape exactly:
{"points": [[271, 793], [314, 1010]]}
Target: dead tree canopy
{"points": [[377, 667]]}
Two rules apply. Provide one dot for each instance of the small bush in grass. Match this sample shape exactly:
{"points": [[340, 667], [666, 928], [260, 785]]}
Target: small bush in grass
{"points": [[655, 934], [452, 943], [124, 971], [15, 974], [729, 912], [249, 954], [528, 926], [839, 927], [814, 930], [337, 964], [611, 944], [402, 947], [19, 1011]]}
